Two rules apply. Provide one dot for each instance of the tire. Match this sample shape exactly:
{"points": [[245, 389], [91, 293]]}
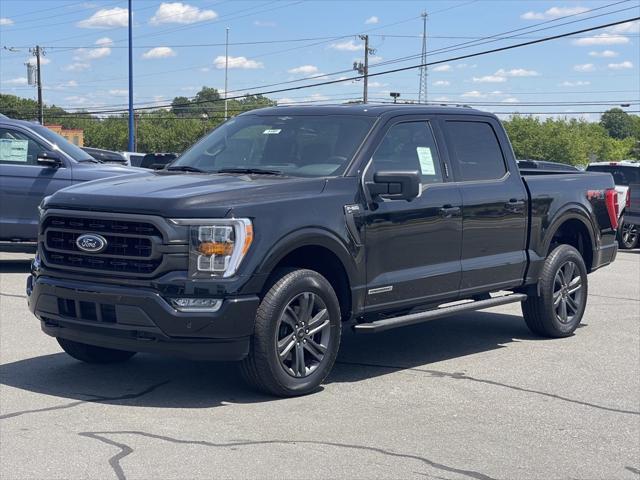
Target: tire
{"points": [[563, 278], [628, 235], [93, 354], [298, 319]]}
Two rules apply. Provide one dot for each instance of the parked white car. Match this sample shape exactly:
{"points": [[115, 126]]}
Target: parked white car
{"points": [[134, 159]]}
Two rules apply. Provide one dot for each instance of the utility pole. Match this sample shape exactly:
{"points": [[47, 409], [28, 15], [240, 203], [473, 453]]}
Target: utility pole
{"points": [[422, 88], [38, 80], [363, 68], [39, 73], [131, 116], [226, 74]]}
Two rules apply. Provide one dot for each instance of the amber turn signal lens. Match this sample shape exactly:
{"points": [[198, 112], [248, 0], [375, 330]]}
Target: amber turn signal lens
{"points": [[212, 248]]}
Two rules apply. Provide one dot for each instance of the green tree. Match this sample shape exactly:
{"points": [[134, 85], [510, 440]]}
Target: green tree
{"points": [[619, 124]]}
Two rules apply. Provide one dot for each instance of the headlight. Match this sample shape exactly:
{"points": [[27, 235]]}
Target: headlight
{"points": [[217, 247]]}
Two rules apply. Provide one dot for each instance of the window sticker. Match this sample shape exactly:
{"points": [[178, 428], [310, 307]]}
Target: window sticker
{"points": [[427, 166], [12, 150], [272, 131]]}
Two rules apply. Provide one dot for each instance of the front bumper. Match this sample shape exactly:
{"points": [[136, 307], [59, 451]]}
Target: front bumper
{"points": [[140, 319]]}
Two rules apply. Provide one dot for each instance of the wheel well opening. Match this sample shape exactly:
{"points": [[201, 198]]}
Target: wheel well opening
{"points": [[327, 264], [573, 232]]}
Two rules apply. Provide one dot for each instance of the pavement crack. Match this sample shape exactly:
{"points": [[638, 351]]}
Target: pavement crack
{"points": [[95, 399], [462, 376], [125, 450], [2, 294]]}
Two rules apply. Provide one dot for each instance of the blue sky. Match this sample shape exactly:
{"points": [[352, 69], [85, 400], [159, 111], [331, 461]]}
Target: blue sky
{"points": [[86, 56]]}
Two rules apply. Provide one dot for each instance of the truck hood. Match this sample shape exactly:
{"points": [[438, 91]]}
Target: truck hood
{"points": [[188, 195], [85, 172]]}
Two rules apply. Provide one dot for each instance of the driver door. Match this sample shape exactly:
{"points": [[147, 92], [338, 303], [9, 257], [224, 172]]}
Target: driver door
{"points": [[413, 248]]}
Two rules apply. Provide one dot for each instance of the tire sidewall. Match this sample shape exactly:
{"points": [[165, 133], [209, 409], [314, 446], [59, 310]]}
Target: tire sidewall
{"points": [[295, 283], [556, 259]]}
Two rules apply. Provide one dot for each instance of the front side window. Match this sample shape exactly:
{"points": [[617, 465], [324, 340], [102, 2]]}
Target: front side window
{"points": [[411, 147], [16, 148], [296, 145], [476, 150]]}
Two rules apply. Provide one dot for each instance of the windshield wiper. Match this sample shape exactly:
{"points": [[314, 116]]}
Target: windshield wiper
{"points": [[185, 168], [259, 171]]}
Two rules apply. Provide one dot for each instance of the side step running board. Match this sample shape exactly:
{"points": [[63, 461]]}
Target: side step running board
{"points": [[413, 318]]}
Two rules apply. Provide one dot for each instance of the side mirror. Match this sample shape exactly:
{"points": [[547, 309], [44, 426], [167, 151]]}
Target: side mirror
{"points": [[399, 185], [50, 158]]}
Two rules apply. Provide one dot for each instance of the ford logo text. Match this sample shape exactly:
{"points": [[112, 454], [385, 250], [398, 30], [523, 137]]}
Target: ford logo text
{"points": [[91, 243]]}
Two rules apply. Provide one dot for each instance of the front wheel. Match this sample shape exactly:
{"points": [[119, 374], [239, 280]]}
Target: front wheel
{"points": [[92, 353], [628, 235], [296, 337], [562, 295]]}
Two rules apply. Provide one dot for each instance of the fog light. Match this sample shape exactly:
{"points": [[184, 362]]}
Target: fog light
{"points": [[196, 304]]}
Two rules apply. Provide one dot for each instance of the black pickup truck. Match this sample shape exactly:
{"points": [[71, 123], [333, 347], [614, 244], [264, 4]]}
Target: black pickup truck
{"points": [[284, 224]]}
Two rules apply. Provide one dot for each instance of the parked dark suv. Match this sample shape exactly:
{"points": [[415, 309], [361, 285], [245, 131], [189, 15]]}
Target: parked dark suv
{"points": [[284, 224]]}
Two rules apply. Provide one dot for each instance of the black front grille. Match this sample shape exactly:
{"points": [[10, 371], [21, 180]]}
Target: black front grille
{"points": [[116, 245], [130, 245]]}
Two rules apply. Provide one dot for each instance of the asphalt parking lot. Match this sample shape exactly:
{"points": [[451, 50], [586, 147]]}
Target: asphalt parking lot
{"points": [[473, 396]]}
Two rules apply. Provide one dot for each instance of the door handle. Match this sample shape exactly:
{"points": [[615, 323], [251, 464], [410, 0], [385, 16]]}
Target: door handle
{"points": [[514, 205], [448, 211]]}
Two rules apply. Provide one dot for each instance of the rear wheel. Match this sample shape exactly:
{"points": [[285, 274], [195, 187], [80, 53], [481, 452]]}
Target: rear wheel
{"points": [[297, 335], [562, 295], [628, 235], [93, 354]]}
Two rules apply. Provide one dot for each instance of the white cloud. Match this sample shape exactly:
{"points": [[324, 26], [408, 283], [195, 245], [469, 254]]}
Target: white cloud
{"points": [[265, 23], [347, 46], [604, 54], [372, 20], [304, 70], [466, 65], [375, 59], [516, 72], [317, 97], [34, 61], [16, 81], [237, 62], [104, 42], [553, 12], [182, 13], [378, 84], [442, 68], [629, 27], [284, 100], [619, 66], [510, 100], [159, 52], [473, 94], [77, 67], [117, 92], [489, 79], [106, 18], [4, 21], [579, 83], [601, 39], [68, 84], [441, 99], [77, 99], [585, 67], [441, 83]]}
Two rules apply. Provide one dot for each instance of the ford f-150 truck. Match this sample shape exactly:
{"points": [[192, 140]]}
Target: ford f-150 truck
{"points": [[284, 224]]}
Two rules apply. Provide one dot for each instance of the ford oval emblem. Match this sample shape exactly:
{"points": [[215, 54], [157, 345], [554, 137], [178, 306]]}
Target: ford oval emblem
{"points": [[91, 243]]}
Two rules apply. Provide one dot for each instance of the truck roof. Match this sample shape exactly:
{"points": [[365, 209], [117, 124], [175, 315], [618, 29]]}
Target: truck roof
{"points": [[369, 109]]}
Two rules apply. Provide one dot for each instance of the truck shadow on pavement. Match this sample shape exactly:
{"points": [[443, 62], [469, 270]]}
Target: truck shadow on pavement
{"points": [[15, 266], [164, 382]]}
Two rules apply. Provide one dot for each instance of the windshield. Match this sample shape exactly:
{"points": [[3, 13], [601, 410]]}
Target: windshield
{"points": [[297, 145], [62, 143]]}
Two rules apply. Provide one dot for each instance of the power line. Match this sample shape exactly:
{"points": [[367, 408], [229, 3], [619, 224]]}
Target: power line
{"points": [[401, 69]]}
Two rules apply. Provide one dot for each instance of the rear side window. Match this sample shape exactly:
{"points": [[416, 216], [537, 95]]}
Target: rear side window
{"points": [[622, 175], [476, 150]]}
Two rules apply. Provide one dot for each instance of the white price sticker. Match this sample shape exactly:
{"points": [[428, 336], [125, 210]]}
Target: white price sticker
{"points": [[427, 166]]}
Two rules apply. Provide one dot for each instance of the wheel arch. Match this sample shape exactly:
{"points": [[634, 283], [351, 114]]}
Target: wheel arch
{"points": [[572, 227], [318, 250]]}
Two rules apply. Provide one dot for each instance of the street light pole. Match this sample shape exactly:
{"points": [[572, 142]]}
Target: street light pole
{"points": [[131, 117], [226, 74]]}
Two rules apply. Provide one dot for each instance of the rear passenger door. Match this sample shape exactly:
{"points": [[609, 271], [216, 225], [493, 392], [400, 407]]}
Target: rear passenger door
{"points": [[494, 204]]}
